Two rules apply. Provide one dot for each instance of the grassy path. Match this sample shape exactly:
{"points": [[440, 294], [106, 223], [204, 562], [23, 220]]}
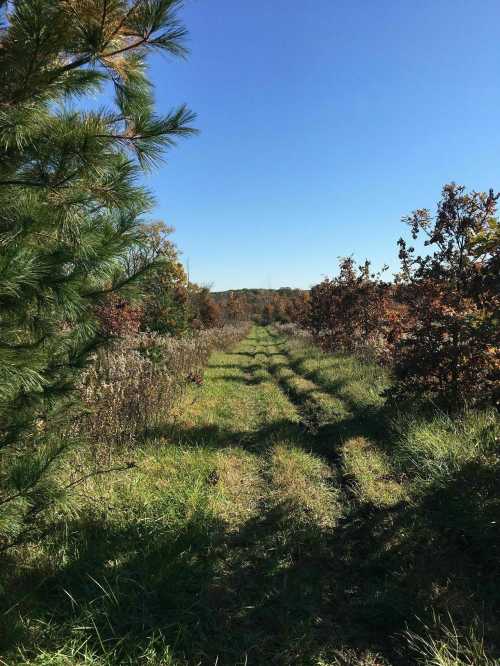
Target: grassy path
{"points": [[263, 525], [316, 557], [277, 495], [214, 550], [277, 501]]}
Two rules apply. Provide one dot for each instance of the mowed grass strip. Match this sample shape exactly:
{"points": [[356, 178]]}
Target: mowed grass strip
{"points": [[225, 402], [303, 390], [304, 487], [370, 473], [359, 384], [238, 487]]}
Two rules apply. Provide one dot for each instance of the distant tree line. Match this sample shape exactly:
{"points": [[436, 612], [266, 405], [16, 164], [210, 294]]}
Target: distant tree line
{"points": [[264, 306]]}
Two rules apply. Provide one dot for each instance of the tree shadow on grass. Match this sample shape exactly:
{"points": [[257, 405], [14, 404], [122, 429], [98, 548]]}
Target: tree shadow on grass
{"points": [[214, 436], [360, 586], [334, 426], [276, 591], [240, 353], [437, 554], [226, 366], [238, 379]]}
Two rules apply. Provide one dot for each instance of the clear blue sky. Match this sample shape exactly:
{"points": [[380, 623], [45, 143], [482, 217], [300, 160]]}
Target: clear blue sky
{"points": [[322, 123]]}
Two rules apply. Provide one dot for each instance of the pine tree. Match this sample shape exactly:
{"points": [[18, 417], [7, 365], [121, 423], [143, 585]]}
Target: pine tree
{"points": [[71, 207]]}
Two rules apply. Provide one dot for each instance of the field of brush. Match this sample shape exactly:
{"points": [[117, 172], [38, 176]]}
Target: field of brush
{"points": [[283, 516]]}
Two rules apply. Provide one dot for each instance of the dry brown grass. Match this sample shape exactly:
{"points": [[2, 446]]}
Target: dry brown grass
{"points": [[133, 386]]}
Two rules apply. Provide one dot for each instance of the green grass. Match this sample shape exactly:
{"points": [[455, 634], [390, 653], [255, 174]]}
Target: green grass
{"points": [[280, 516], [371, 473], [304, 487], [438, 448]]}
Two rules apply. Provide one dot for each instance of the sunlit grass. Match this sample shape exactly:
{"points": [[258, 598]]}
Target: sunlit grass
{"points": [[435, 448], [304, 486], [370, 473]]}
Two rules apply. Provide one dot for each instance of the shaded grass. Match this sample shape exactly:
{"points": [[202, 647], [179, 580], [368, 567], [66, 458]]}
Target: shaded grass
{"points": [[246, 536]]}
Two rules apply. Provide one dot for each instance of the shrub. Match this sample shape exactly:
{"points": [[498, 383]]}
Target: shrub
{"points": [[293, 330], [348, 313], [131, 387], [206, 312], [451, 353], [117, 317]]}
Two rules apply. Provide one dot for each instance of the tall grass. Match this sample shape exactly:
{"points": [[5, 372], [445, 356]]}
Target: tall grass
{"points": [[429, 481], [434, 448], [444, 644]]}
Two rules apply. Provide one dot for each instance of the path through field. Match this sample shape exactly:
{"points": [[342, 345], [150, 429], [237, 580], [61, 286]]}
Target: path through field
{"points": [[278, 581], [261, 525], [265, 522]]}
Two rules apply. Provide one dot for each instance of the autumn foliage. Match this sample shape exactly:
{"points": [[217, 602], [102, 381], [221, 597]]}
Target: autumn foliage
{"points": [[437, 324], [117, 317], [349, 312], [264, 306], [451, 353]]}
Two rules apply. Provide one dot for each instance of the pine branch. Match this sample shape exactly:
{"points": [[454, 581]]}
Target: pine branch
{"points": [[70, 205], [120, 285], [35, 511], [33, 183], [130, 465]]}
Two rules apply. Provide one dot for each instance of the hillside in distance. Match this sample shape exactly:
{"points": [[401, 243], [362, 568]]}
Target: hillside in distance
{"points": [[265, 305], [258, 294]]}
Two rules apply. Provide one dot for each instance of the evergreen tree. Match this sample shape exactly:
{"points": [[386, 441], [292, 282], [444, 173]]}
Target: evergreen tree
{"points": [[70, 209]]}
